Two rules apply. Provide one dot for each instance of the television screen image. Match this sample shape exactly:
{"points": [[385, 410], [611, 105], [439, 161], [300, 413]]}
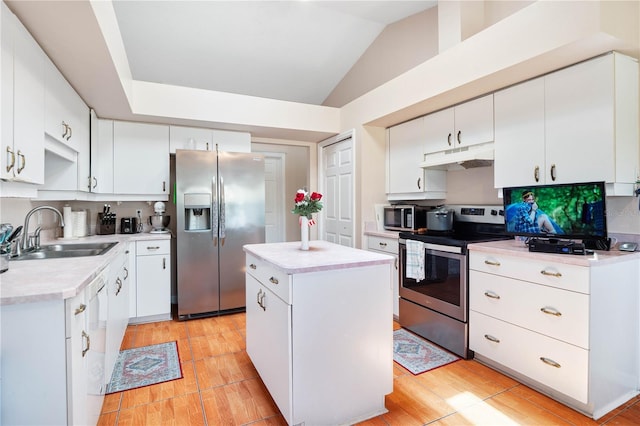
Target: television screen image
{"points": [[563, 211]]}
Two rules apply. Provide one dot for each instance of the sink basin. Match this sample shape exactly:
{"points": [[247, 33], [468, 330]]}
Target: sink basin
{"points": [[61, 251]]}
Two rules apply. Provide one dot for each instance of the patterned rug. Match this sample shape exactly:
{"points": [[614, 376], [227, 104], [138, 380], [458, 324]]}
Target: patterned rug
{"points": [[418, 355], [145, 366]]}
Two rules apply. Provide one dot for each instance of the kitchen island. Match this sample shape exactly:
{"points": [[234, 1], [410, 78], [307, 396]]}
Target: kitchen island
{"points": [[320, 329]]}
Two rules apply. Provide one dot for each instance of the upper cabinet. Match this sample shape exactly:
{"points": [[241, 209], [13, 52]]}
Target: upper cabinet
{"points": [[578, 124], [461, 126], [22, 106], [207, 139], [101, 180], [140, 158], [406, 180]]}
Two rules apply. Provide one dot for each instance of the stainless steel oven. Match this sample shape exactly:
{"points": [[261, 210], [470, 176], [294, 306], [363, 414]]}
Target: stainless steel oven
{"points": [[437, 307]]}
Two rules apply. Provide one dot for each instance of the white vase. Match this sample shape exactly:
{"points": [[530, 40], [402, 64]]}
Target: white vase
{"points": [[304, 233]]}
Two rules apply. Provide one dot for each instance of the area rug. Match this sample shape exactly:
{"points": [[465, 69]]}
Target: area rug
{"points": [[418, 355], [145, 366]]}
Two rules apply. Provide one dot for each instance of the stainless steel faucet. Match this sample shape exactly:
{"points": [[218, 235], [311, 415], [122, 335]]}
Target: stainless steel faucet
{"points": [[26, 240]]}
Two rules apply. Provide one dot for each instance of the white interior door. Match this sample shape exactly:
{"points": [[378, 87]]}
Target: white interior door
{"points": [[274, 197], [337, 222]]}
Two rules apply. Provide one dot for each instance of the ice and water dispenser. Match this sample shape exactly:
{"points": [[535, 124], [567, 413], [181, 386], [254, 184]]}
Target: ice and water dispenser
{"points": [[197, 212]]}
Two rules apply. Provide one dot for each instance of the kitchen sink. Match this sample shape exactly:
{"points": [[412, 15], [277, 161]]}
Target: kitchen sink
{"points": [[61, 251]]}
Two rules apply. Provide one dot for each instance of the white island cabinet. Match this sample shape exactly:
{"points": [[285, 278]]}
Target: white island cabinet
{"points": [[565, 325], [319, 329]]}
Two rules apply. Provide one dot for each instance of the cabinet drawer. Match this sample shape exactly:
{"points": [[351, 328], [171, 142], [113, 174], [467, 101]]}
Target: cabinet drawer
{"points": [[272, 278], [561, 314], [554, 274], [523, 351], [151, 247], [387, 245]]}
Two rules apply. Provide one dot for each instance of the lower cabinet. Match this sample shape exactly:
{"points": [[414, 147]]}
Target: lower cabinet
{"points": [[117, 289], [388, 245], [321, 341], [53, 359], [153, 280], [567, 329]]}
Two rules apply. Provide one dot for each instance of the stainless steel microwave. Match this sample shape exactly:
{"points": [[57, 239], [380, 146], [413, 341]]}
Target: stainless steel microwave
{"points": [[405, 217]]}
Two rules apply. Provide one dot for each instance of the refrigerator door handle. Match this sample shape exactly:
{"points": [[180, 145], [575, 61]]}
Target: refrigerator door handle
{"points": [[223, 207], [214, 213]]}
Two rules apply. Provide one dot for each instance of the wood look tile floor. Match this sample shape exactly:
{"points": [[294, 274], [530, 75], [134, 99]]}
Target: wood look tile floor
{"points": [[220, 386]]}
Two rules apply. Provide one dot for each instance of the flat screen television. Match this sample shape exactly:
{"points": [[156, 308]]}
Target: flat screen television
{"points": [[574, 211]]}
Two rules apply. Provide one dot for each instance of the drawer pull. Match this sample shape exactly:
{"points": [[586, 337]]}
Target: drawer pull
{"points": [[80, 309], [153, 247], [253, 266], [551, 311], [88, 340], [492, 262], [550, 362], [551, 274], [491, 294], [382, 244], [273, 280], [491, 338]]}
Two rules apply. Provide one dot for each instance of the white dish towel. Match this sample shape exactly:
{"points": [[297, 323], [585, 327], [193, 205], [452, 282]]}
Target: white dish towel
{"points": [[415, 260]]}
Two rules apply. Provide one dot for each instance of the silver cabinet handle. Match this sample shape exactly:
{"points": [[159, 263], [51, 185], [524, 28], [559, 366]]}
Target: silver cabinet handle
{"points": [[492, 262], [449, 139], [382, 244], [458, 137], [551, 311], [264, 308], [24, 162], [252, 266], [550, 362], [11, 163], [126, 270], [70, 133], [418, 183], [95, 182], [536, 173], [164, 263], [552, 172], [491, 338], [273, 280], [551, 274], [258, 296], [80, 309], [88, 339], [153, 247], [118, 285], [491, 295], [65, 128]]}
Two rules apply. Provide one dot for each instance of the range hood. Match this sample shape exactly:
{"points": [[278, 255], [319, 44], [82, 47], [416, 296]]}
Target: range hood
{"points": [[468, 157]]}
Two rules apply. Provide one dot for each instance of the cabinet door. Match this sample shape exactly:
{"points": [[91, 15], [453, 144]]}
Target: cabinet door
{"points": [[118, 311], [153, 278], [140, 158], [28, 107], [6, 78], [269, 342], [405, 154], [77, 359], [579, 131], [130, 279], [474, 122], [101, 155], [190, 138], [439, 131], [519, 135]]}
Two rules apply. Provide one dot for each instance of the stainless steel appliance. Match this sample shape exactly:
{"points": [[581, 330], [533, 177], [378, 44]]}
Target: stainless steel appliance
{"points": [[128, 225], [404, 217], [437, 306], [220, 202], [159, 221], [440, 219]]}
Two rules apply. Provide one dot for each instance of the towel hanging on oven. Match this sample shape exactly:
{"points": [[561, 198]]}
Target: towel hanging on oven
{"points": [[415, 260]]}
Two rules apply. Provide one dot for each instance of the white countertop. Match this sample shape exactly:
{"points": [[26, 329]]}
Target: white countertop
{"points": [[321, 256], [55, 279], [517, 248]]}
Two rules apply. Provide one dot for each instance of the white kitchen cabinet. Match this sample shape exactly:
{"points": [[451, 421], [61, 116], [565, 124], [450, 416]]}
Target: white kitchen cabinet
{"points": [[131, 262], [153, 280], [117, 289], [579, 124], [140, 158], [207, 139], [461, 126], [54, 348], [102, 166], [388, 245], [552, 321], [327, 326], [22, 103], [406, 180]]}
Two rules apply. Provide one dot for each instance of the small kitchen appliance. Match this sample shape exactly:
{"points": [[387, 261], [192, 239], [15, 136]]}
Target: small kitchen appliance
{"points": [[159, 221], [404, 217], [129, 225]]}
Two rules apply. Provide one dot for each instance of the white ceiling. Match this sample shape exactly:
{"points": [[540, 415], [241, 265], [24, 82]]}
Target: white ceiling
{"points": [[289, 50]]}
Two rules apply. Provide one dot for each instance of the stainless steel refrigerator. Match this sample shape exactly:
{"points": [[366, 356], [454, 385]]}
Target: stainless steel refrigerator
{"points": [[220, 207]]}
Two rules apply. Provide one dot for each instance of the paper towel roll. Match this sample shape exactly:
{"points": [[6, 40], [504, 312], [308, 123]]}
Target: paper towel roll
{"points": [[80, 223], [68, 222]]}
